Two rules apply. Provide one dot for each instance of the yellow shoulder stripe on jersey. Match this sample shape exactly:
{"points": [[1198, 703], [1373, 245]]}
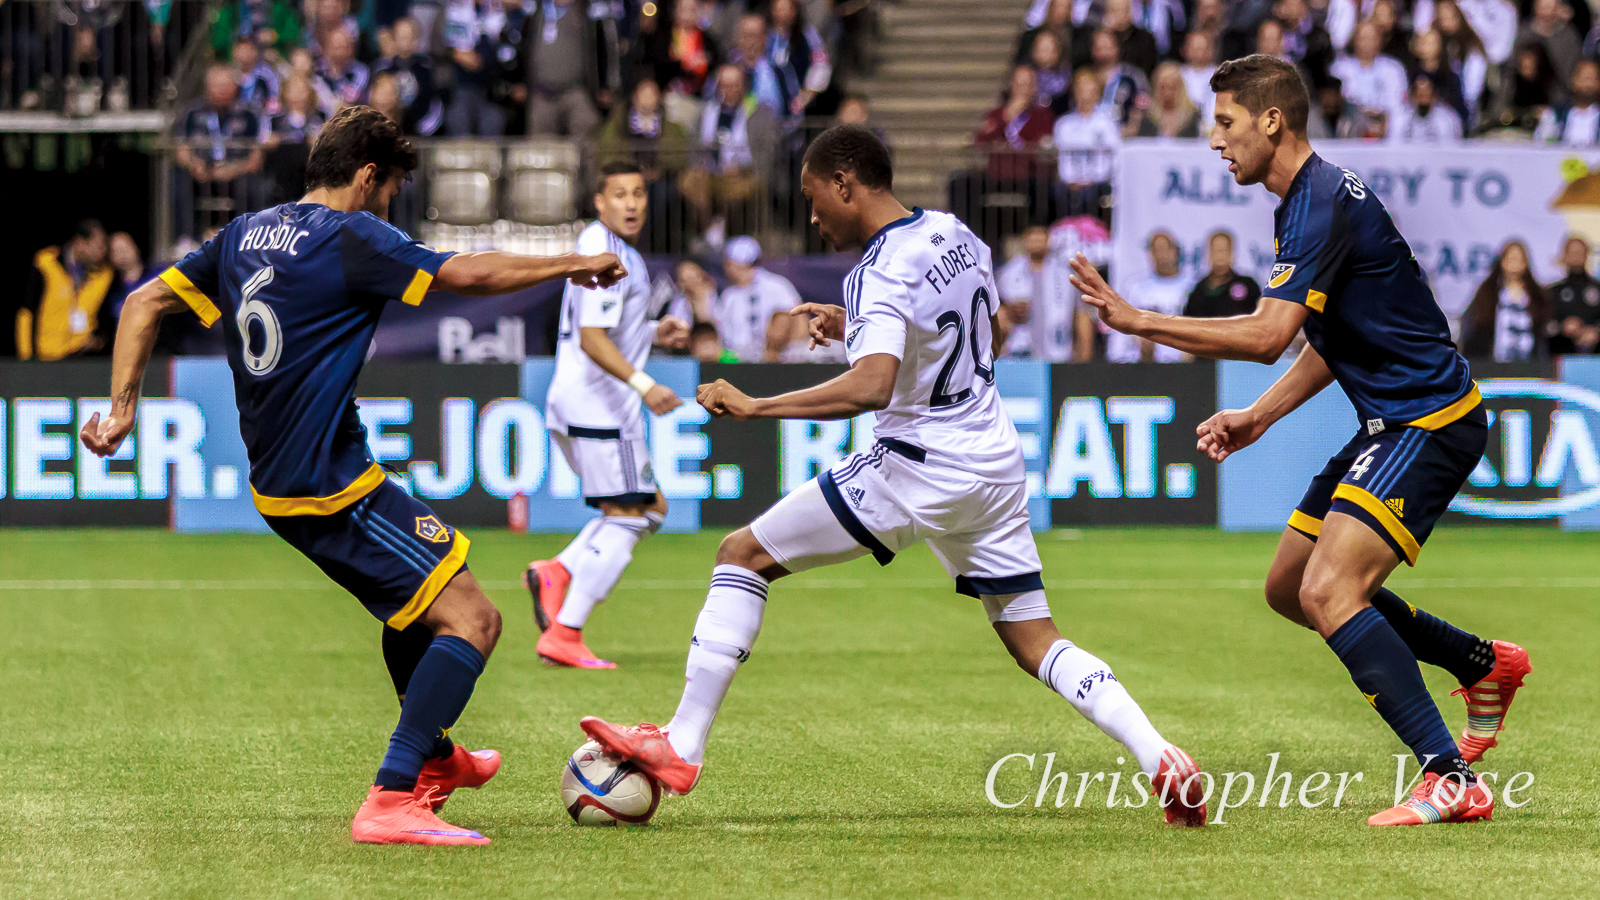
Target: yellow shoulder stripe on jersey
{"points": [[185, 289], [1299, 521], [435, 583], [1436, 420], [1316, 300], [418, 287], [1385, 516], [320, 506]]}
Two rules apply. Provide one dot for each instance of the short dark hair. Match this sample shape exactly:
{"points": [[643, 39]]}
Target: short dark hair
{"points": [[87, 228], [354, 138], [701, 329], [615, 167], [1260, 83], [854, 149]]}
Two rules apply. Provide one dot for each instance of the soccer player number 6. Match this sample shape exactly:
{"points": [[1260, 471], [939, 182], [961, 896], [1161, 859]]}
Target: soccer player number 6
{"points": [[251, 308]]}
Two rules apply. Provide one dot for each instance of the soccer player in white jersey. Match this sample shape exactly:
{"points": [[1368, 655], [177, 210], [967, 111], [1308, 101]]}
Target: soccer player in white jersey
{"points": [[593, 414], [919, 332]]}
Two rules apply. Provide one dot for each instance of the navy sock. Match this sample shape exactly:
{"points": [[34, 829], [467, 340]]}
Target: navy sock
{"points": [[1386, 673], [439, 691], [402, 650], [1436, 642]]}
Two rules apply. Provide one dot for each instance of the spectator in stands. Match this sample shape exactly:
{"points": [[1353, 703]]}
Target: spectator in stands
{"points": [[1051, 71], [1223, 291], [735, 144], [1575, 303], [1305, 42], [288, 138], [1393, 40], [1427, 54], [1492, 22], [1463, 52], [1162, 291], [855, 110], [746, 307], [573, 61], [384, 96], [274, 25], [1334, 117], [1086, 144], [1374, 82], [1210, 19], [342, 75], [413, 71], [1423, 120], [1123, 86], [64, 296], [1527, 88], [797, 56], [1575, 123], [1135, 45], [1171, 115], [470, 31], [750, 57], [1551, 30], [258, 82], [1269, 39], [1058, 22], [1509, 314], [131, 272], [216, 141], [1052, 322], [705, 344], [1199, 64], [639, 131], [1011, 132], [325, 17], [683, 56], [698, 293]]}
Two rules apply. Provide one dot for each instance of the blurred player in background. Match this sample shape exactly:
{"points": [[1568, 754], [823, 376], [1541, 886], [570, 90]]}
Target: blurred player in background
{"points": [[1052, 324], [301, 287], [593, 415], [1346, 275], [920, 334]]}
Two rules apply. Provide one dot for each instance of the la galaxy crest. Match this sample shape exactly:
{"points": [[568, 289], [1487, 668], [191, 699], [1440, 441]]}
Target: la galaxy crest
{"points": [[1281, 273], [429, 528]]}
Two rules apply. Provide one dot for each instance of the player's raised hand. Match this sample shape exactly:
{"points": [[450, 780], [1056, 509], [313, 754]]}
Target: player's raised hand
{"points": [[661, 400], [103, 438], [672, 332], [601, 270], [826, 322], [1117, 313], [1228, 432], [723, 399]]}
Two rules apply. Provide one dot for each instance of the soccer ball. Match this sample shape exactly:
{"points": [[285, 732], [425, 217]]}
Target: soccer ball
{"points": [[598, 790]]}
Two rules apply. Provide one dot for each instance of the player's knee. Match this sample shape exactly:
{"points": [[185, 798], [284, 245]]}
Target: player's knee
{"points": [[1317, 594], [1283, 595], [740, 549]]}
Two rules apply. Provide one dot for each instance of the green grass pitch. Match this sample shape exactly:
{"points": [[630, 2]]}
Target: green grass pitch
{"points": [[200, 716]]}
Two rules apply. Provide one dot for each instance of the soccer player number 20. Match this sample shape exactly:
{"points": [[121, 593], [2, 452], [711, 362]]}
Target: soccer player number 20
{"points": [[952, 319], [272, 334]]}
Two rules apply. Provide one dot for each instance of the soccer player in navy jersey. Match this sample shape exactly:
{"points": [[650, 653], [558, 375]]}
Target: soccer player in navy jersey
{"points": [[301, 287], [1347, 277]]}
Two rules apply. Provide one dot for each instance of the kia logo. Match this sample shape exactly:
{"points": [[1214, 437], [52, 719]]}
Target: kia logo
{"points": [[1570, 446]]}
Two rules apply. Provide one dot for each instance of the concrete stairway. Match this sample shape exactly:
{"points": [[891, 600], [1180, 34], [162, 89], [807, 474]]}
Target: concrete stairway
{"points": [[941, 64]]}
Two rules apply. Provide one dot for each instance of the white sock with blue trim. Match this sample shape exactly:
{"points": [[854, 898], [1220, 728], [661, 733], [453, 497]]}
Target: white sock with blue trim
{"points": [[569, 556], [1087, 683], [597, 568], [723, 636]]}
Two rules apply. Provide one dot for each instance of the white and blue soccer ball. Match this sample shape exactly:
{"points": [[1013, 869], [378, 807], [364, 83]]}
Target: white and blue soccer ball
{"points": [[599, 789]]}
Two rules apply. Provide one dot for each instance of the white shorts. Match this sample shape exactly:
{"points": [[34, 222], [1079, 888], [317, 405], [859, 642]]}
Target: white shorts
{"points": [[611, 467], [882, 502]]}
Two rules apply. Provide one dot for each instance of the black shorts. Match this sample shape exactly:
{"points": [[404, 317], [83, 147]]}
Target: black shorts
{"points": [[388, 549], [1398, 482]]}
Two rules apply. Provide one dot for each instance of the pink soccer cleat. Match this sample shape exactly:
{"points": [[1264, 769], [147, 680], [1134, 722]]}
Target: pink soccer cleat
{"points": [[460, 769], [402, 817], [1177, 785], [1489, 700], [1439, 800], [547, 581], [649, 749]]}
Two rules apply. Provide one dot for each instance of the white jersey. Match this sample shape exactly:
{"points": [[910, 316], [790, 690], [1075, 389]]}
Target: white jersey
{"points": [[1155, 293], [743, 313], [1053, 305], [581, 393], [923, 293]]}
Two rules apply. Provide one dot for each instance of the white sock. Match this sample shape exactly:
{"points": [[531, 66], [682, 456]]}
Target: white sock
{"points": [[723, 636], [599, 565], [1087, 683], [569, 556]]}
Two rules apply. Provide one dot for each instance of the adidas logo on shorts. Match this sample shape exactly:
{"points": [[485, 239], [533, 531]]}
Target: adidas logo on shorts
{"points": [[856, 496], [1397, 505]]}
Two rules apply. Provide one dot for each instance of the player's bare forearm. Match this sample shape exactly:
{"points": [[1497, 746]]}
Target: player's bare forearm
{"points": [[1260, 337], [867, 387], [136, 338], [596, 343], [1305, 379], [1000, 332], [490, 272]]}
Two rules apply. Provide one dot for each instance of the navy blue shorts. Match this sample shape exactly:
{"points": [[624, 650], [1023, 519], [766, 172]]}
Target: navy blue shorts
{"points": [[388, 549], [1398, 482]]}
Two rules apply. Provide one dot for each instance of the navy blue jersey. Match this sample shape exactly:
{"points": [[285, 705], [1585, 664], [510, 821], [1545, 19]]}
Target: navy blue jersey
{"points": [[1373, 317], [300, 288]]}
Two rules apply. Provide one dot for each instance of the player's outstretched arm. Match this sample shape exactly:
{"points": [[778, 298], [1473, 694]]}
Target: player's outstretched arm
{"points": [[489, 272], [1260, 337], [824, 322], [136, 337], [1232, 430], [595, 342], [867, 387]]}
